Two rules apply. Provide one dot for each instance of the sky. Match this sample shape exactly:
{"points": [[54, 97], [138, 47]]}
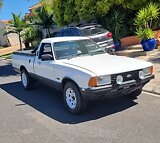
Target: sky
{"points": [[15, 6]]}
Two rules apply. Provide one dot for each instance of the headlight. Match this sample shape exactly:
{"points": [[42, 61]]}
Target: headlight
{"points": [[119, 79], [145, 72], [141, 74], [102, 80], [148, 71]]}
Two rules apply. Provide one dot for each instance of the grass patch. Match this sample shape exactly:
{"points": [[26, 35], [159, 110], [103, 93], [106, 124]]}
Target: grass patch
{"points": [[7, 56]]}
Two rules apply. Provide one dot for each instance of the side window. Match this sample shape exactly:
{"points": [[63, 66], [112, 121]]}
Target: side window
{"points": [[45, 49]]}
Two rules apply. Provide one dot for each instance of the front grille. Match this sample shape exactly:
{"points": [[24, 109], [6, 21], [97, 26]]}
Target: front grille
{"points": [[127, 76]]}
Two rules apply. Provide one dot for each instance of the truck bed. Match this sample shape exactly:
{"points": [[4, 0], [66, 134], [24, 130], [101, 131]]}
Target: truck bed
{"points": [[23, 58], [25, 53]]}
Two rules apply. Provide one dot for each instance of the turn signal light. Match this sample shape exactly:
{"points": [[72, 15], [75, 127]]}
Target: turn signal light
{"points": [[92, 82], [113, 47], [151, 69]]}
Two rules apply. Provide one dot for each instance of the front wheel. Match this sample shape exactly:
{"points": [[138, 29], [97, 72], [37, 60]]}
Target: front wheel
{"points": [[26, 80], [73, 99]]}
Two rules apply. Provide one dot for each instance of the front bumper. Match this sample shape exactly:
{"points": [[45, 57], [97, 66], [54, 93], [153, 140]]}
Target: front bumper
{"points": [[110, 91]]}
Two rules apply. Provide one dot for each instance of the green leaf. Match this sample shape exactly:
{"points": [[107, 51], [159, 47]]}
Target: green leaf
{"points": [[145, 34]]}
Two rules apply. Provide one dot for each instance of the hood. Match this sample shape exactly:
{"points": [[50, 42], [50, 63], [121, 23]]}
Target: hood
{"points": [[104, 64]]}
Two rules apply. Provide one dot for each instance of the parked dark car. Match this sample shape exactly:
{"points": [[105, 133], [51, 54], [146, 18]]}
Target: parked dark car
{"points": [[94, 31]]}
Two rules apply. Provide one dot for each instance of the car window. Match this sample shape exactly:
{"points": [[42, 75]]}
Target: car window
{"points": [[65, 49], [45, 49], [69, 49], [89, 31]]}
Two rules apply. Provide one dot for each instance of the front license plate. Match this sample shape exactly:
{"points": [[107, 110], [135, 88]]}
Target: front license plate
{"points": [[126, 87], [114, 90]]}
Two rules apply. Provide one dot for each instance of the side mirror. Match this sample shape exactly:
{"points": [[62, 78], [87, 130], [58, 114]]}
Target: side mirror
{"points": [[46, 57]]}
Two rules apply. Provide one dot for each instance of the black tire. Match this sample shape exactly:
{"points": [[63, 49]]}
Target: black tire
{"points": [[80, 105], [113, 52], [28, 83], [135, 94]]}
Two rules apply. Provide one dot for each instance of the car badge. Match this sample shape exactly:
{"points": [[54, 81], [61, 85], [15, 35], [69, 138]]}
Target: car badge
{"points": [[129, 75]]}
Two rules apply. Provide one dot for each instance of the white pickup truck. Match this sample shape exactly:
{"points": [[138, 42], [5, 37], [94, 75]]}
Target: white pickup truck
{"points": [[82, 70]]}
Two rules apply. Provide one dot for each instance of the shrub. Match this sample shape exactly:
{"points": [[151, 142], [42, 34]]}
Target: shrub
{"points": [[145, 34], [144, 21]]}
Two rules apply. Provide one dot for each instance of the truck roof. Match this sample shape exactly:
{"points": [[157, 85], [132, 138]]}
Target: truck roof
{"points": [[60, 39]]}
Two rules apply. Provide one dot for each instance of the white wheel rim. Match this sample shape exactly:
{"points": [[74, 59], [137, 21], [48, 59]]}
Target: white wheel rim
{"points": [[24, 79], [71, 98]]}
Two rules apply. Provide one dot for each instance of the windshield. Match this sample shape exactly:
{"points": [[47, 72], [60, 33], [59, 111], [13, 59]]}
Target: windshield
{"points": [[71, 49], [94, 30]]}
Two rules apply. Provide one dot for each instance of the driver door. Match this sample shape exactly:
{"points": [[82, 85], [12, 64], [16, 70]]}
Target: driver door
{"points": [[44, 69]]}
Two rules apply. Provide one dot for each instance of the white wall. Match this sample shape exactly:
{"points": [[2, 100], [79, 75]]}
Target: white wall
{"points": [[13, 39], [3, 39]]}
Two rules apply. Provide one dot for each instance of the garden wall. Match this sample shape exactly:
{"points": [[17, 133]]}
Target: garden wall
{"points": [[133, 40], [9, 50]]}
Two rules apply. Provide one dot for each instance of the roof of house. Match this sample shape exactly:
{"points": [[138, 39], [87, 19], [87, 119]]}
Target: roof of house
{"points": [[35, 6], [5, 21]]}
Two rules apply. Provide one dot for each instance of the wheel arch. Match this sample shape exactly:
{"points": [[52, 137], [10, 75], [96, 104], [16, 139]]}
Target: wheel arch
{"points": [[67, 79], [22, 68]]}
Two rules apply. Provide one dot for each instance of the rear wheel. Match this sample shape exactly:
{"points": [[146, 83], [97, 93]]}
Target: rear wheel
{"points": [[26, 80], [73, 99], [110, 51]]}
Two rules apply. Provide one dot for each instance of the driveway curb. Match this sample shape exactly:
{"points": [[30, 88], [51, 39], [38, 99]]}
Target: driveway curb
{"points": [[4, 59], [153, 92]]}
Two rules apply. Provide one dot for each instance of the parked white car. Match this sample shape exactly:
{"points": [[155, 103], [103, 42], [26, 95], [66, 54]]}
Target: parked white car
{"points": [[82, 70]]}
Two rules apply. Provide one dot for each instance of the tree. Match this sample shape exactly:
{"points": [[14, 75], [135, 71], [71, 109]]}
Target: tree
{"points": [[1, 3], [115, 23], [64, 11], [58, 11], [43, 18], [16, 26], [68, 11], [30, 35], [136, 4]]}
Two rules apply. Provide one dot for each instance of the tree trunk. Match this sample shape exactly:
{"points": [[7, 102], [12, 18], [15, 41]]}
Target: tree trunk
{"points": [[31, 45], [20, 42], [49, 34]]}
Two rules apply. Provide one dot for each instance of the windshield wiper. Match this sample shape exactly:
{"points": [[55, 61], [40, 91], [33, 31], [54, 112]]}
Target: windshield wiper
{"points": [[75, 55], [98, 51]]}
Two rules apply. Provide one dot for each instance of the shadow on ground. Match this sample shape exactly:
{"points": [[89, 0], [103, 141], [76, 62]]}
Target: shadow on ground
{"points": [[50, 103], [7, 70], [155, 58]]}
